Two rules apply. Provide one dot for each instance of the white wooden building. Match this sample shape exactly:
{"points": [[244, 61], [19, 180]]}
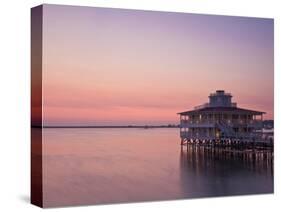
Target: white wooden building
{"points": [[219, 119]]}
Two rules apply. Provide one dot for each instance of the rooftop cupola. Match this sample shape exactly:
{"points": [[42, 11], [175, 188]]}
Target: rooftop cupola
{"points": [[220, 99]]}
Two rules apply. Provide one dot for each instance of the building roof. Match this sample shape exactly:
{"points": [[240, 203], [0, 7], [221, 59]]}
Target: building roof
{"points": [[222, 109]]}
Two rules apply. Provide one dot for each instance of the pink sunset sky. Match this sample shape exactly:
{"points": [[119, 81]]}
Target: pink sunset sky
{"points": [[120, 67]]}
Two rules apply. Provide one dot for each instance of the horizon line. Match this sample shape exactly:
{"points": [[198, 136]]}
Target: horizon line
{"points": [[109, 126]]}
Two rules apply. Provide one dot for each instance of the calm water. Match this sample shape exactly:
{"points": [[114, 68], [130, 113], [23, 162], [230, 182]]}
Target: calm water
{"points": [[98, 166]]}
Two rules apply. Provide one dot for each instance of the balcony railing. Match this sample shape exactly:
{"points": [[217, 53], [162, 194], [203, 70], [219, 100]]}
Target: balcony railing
{"points": [[190, 135], [257, 124], [221, 94], [187, 124], [253, 135]]}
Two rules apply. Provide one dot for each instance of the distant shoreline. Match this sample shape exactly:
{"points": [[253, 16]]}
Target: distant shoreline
{"points": [[130, 126]]}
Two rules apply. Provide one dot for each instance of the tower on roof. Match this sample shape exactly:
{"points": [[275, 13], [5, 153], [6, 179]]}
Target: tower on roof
{"points": [[220, 99]]}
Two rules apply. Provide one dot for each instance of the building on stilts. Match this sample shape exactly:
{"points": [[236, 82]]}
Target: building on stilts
{"points": [[220, 121]]}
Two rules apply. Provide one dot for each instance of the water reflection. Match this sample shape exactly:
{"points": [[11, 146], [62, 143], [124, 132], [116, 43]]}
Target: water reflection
{"points": [[101, 166], [224, 172]]}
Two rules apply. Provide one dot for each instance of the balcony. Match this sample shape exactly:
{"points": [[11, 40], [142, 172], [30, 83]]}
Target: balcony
{"points": [[238, 135], [189, 135], [200, 124], [221, 94], [256, 124]]}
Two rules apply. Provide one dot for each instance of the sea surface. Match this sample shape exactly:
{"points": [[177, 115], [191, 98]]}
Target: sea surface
{"points": [[102, 166]]}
